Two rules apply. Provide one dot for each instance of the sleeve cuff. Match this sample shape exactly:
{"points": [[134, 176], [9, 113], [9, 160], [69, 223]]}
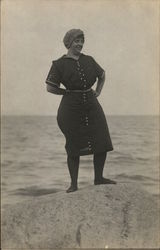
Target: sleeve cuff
{"points": [[52, 83]]}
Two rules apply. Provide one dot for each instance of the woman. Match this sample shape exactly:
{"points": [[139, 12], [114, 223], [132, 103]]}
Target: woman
{"points": [[80, 116]]}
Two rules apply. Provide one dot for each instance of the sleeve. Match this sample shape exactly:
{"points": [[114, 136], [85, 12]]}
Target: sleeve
{"points": [[54, 77], [98, 69]]}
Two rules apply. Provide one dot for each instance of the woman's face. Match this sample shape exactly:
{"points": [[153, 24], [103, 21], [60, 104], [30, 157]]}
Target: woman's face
{"points": [[77, 45]]}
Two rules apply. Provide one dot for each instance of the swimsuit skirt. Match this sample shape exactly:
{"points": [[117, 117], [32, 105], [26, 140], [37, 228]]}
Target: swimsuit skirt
{"points": [[81, 118], [82, 121]]}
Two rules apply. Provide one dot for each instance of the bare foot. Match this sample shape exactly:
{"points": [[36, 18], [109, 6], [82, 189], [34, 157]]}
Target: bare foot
{"points": [[104, 181], [71, 189]]}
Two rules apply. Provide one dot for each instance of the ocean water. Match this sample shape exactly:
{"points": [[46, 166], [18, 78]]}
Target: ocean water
{"points": [[34, 157]]}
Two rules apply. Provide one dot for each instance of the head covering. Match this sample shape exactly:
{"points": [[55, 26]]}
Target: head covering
{"points": [[71, 35]]}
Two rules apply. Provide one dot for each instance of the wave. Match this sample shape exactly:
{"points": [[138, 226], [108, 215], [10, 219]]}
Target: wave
{"points": [[123, 159], [136, 177], [7, 163], [87, 161], [130, 158]]}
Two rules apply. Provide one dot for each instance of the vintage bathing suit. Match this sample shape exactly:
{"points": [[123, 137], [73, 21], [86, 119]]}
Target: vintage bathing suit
{"points": [[80, 116]]}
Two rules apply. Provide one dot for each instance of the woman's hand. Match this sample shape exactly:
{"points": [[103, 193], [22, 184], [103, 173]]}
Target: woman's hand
{"points": [[55, 90], [96, 93], [67, 91], [100, 84]]}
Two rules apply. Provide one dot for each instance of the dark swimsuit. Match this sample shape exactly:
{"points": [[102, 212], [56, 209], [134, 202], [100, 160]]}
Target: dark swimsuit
{"points": [[80, 116]]}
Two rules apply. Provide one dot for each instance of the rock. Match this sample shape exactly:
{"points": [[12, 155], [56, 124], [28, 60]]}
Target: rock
{"points": [[113, 216]]}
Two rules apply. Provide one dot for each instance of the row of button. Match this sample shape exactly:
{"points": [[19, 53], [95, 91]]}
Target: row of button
{"points": [[89, 146], [82, 75], [82, 78], [84, 97], [86, 120]]}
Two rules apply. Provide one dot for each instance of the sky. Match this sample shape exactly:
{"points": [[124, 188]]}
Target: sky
{"points": [[122, 36]]}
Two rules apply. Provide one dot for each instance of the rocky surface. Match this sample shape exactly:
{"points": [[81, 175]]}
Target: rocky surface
{"points": [[113, 216]]}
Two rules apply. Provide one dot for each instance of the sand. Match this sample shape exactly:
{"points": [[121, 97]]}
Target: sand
{"points": [[113, 216]]}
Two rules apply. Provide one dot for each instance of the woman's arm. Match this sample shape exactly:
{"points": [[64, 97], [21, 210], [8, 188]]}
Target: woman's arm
{"points": [[100, 84], [56, 90]]}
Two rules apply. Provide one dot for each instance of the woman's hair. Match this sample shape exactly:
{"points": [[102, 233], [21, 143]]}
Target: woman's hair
{"points": [[71, 35]]}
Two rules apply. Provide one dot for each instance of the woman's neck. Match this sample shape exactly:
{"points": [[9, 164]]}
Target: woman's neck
{"points": [[72, 55]]}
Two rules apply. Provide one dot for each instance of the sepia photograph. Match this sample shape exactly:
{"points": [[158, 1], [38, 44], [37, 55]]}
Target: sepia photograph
{"points": [[80, 124]]}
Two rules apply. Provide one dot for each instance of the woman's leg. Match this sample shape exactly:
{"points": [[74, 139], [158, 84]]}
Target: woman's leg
{"points": [[99, 160], [73, 166]]}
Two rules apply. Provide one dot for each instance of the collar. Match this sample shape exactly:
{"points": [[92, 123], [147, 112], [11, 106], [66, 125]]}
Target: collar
{"points": [[67, 57]]}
